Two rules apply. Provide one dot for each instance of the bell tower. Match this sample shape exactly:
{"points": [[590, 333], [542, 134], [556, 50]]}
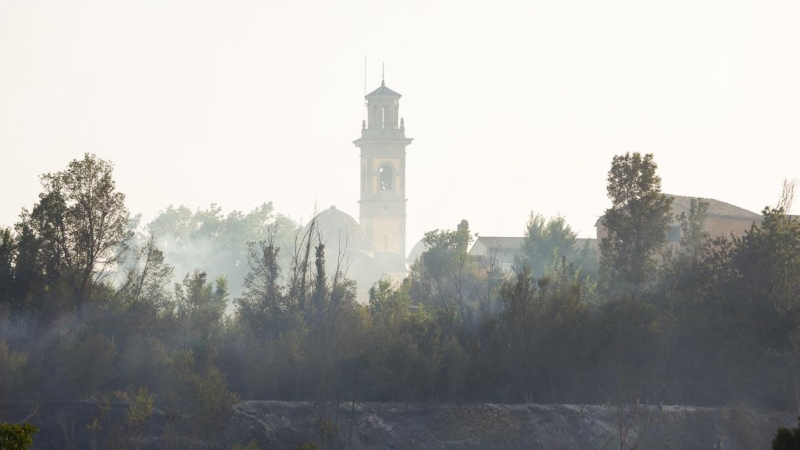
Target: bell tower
{"points": [[382, 208]]}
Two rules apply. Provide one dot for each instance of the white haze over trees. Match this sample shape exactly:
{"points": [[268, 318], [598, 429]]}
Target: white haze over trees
{"points": [[216, 243], [709, 322], [514, 106]]}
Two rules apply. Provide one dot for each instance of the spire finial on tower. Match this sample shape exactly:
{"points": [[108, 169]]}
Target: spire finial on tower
{"points": [[383, 72], [365, 78]]}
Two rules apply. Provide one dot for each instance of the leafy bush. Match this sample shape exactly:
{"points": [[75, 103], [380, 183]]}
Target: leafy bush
{"points": [[140, 408], [16, 436], [787, 438], [213, 400], [307, 446], [252, 445]]}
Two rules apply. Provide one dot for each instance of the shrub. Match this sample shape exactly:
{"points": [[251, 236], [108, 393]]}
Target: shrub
{"points": [[787, 438], [253, 445], [307, 446], [16, 436]]}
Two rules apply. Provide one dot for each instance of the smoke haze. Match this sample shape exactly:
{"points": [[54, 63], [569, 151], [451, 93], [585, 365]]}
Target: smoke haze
{"points": [[200, 102]]}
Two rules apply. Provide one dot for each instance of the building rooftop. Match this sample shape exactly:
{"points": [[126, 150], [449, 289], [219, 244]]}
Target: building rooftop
{"points": [[383, 91], [514, 243], [502, 242], [681, 203], [716, 208]]}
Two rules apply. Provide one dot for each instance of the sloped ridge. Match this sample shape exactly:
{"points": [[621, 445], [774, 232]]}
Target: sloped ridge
{"points": [[398, 426]]}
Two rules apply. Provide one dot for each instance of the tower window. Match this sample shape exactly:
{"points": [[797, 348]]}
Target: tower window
{"points": [[385, 177]]}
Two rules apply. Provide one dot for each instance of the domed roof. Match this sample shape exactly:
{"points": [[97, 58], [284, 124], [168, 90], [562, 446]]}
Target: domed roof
{"points": [[335, 228], [416, 251]]}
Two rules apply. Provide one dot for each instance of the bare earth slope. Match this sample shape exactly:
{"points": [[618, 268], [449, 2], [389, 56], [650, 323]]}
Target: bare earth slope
{"points": [[284, 425]]}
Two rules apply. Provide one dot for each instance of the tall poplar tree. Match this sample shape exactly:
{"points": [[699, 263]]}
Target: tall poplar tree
{"points": [[636, 223]]}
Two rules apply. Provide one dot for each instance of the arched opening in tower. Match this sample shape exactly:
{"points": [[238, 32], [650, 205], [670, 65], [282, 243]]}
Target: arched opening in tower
{"points": [[386, 177]]}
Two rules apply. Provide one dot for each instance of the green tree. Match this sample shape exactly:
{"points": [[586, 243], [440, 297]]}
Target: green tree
{"points": [[787, 439], [521, 320], [262, 305], [763, 294], [546, 333], [12, 371], [201, 305], [218, 243], [16, 436], [82, 362], [34, 278], [636, 223], [545, 239], [140, 408], [769, 256], [80, 224], [693, 234], [403, 344], [200, 312], [8, 253], [445, 248], [687, 260], [446, 276], [388, 304], [147, 276]]}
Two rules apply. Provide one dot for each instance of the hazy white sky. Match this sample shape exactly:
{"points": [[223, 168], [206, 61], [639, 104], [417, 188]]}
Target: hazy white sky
{"points": [[514, 106]]}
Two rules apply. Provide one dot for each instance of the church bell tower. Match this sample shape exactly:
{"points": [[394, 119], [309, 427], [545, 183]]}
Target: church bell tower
{"points": [[382, 208]]}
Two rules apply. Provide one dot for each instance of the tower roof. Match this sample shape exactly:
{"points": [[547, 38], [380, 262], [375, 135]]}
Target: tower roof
{"points": [[383, 91]]}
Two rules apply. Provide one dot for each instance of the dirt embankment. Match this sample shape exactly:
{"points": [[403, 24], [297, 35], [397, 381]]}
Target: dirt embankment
{"points": [[361, 426]]}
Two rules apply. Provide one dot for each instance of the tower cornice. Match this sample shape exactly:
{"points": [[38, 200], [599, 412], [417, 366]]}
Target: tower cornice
{"points": [[365, 140]]}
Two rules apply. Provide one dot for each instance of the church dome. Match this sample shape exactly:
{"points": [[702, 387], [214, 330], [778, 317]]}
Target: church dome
{"points": [[416, 252], [337, 229]]}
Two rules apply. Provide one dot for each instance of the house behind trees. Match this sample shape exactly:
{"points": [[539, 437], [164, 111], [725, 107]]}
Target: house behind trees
{"points": [[722, 220]]}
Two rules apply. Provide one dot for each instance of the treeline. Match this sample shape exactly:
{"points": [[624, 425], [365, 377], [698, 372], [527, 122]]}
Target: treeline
{"points": [[86, 309]]}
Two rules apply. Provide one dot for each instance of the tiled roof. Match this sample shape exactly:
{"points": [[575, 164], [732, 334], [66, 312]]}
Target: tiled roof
{"points": [[515, 243], [716, 208], [592, 243], [383, 91], [501, 242], [681, 203]]}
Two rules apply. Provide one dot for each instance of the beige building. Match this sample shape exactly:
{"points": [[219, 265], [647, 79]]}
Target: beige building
{"points": [[723, 219], [497, 250]]}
